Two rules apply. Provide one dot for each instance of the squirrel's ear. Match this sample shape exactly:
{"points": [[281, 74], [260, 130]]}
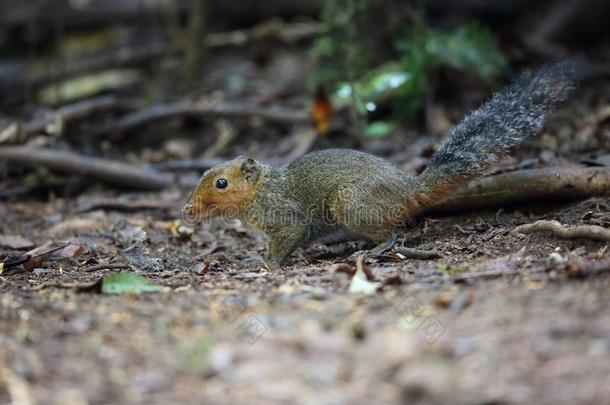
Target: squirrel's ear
{"points": [[250, 169]]}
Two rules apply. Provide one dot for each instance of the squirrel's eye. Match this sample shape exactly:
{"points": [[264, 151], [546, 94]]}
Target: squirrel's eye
{"points": [[222, 183]]}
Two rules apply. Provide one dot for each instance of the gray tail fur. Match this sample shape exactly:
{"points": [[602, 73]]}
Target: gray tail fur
{"points": [[498, 126]]}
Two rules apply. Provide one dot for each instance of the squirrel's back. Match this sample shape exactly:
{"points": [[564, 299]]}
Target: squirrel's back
{"points": [[317, 177]]}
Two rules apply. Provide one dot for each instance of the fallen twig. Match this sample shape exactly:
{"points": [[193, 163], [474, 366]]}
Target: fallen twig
{"points": [[56, 121], [528, 185], [121, 174], [188, 108], [411, 253], [567, 232]]}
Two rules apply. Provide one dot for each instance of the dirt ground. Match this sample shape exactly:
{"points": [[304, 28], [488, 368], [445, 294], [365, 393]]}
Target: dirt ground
{"points": [[499, 317]]}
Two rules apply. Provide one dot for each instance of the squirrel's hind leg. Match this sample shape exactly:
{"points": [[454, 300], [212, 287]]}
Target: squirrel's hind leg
{"points": [[384, 246], [368, 216]]}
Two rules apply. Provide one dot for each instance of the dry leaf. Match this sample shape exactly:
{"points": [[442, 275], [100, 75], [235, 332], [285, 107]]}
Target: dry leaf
{"points": [[360, 284], [322, 111], [74, 250]]}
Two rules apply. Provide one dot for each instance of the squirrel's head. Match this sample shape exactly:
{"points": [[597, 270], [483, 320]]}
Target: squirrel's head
{"points": [[225, 190]]}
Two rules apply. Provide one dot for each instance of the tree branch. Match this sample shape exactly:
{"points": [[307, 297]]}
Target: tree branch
{"points": [[187, 108], [117, 173]]}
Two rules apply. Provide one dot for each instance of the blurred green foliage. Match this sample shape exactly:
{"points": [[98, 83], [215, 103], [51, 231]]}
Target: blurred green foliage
{"points": [[196, 358], [369, 56], [128, 283]]}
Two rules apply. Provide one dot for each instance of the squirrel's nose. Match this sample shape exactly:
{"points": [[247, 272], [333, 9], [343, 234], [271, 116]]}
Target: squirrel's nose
{"points": [[188, 214], [188, 209]]}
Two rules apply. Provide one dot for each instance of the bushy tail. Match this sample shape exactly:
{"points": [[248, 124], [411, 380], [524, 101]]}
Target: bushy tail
{"points": [[499, 125]]}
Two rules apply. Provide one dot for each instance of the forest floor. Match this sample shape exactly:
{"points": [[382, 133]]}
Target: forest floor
{"points": [[496, 320], [499, 317]]}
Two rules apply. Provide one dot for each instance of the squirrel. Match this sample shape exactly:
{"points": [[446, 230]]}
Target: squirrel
{"points": [[338, 194]]}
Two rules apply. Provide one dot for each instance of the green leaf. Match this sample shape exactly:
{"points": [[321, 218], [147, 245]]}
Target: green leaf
{"points": [[363, 72], [390, 83], [384, 82], [471, 48], [128, 283], [379, 129]]}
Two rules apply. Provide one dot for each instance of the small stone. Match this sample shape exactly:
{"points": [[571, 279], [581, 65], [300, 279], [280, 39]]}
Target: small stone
{"points": [[41, 271]]}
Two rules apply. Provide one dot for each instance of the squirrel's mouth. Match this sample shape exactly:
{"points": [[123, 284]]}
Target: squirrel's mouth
{"points": [[200, 211]]}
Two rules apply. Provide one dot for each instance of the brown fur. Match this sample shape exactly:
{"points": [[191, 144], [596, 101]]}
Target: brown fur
{"points": [[336, 194], [207, 201]]}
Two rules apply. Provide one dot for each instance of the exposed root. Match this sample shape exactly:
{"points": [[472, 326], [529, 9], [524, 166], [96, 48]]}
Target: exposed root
{"points": [[548, 184], [567, 232], [419, 254]]}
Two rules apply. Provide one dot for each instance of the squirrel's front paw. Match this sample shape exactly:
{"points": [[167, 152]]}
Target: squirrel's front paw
{"points": [[273, 262]]}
